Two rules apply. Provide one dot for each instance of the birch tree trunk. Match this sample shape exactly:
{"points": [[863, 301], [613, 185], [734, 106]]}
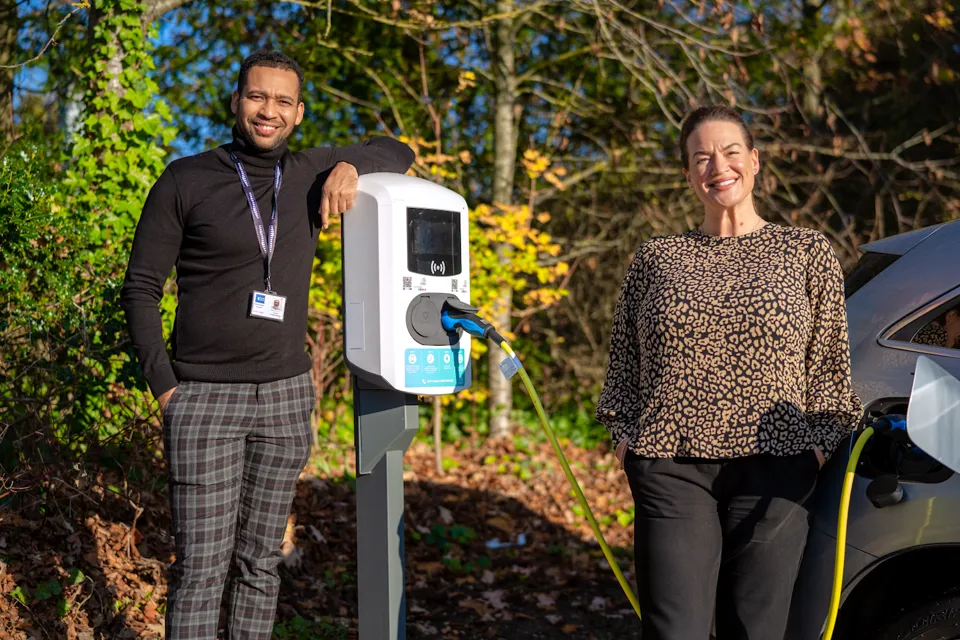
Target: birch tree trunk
{"points": [[505, 162]]}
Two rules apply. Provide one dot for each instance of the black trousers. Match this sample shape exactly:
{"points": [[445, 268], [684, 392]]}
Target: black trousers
{"points": [[720, 537]]}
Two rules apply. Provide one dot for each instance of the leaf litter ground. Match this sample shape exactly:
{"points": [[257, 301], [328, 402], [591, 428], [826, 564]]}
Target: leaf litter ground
{"points": [[74, 568]]}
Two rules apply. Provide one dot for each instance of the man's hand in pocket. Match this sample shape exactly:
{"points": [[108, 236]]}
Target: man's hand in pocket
{"points": [[165, 398]]}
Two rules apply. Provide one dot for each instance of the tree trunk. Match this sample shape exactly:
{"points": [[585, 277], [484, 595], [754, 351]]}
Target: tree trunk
{"points": [[505, 162], [114, 63], [8, 55], [812, 72]]}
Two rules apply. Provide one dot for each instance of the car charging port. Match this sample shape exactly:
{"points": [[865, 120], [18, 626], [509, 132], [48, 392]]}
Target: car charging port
{"points": [[885, 491]]}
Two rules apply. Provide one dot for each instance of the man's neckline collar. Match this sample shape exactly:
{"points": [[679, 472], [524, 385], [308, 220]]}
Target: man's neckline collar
{"points": [[250, 155]]}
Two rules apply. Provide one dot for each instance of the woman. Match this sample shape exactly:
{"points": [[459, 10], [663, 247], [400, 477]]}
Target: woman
{"points": [[727, 389]]}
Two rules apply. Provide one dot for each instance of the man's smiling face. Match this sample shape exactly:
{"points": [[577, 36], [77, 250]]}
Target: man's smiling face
{"points": [[269, 107]]}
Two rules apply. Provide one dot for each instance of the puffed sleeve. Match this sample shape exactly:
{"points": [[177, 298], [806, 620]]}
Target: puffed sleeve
{"points": [[833, 409], [619, 406]]}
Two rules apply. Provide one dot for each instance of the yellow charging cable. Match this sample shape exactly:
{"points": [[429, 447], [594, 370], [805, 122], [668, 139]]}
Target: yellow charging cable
{"points": [[842, 531], [571, 479]]}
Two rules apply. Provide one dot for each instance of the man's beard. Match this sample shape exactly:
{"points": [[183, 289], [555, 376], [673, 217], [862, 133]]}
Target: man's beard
{"points": [[247, 129]]}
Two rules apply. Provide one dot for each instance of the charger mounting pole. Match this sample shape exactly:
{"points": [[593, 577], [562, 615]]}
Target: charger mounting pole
{"points": [[385, 422]]}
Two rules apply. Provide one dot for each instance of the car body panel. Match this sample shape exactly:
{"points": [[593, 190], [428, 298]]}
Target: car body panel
{"points": [[812, 592], [903, 242]]}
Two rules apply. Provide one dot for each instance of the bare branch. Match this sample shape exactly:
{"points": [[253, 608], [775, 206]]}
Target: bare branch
{"points": [[84, 4], [535, 69], [363, 11], [663, 28], [576, 178]]}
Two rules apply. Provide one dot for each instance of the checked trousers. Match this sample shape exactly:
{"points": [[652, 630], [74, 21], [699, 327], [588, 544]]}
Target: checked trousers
{"points": [[234, 452]]}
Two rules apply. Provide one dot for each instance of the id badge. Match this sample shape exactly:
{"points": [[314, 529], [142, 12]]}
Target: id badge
{"points": [[268, 306]]}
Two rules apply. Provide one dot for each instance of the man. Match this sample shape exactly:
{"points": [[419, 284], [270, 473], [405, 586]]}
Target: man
{"points": [[240, 223]]}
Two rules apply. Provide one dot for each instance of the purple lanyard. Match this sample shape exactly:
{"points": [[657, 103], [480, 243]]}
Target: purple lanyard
{"points": [[268, 240]]}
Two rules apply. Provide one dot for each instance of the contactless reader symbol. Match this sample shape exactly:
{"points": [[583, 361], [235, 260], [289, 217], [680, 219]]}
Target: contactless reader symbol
{"points": [[438, 267]]}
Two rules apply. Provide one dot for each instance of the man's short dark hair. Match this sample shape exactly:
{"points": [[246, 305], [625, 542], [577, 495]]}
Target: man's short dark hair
{"points": [[274, 60]]}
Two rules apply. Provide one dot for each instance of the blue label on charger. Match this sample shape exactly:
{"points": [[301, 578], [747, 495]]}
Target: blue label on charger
{"points": [[440, 367]]}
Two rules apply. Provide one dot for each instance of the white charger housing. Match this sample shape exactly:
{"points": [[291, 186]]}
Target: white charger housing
{"points": [[405, 252]]}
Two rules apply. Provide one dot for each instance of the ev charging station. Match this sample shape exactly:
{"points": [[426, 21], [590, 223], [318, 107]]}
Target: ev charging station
{"points": [[405, 261]]}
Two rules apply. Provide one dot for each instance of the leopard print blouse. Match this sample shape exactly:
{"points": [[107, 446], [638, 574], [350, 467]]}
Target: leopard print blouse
{"points": [[725, 347]]}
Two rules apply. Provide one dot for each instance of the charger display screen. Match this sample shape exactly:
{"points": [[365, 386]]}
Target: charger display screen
{"points": [[433, 242]]}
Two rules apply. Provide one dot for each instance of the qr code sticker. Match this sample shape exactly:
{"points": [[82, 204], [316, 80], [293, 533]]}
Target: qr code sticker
{"points": [[453, 285], [509, 367], [407, 282]]}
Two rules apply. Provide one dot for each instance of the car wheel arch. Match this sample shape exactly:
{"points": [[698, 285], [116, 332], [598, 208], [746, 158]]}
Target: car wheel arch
{"points": [[893, 584]]}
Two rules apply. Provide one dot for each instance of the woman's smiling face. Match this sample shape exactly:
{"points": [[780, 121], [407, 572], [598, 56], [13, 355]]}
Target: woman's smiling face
{"points": [[721, 167]]}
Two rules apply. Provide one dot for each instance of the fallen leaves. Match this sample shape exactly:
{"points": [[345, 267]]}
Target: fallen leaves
{"points": [[556, 584]]}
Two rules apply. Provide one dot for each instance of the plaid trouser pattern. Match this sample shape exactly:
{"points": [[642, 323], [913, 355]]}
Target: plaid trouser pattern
{"points": [[234, 452]]}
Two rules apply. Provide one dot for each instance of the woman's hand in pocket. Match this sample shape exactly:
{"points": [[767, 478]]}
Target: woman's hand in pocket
{"points": [[822, 459], [621, 451]]}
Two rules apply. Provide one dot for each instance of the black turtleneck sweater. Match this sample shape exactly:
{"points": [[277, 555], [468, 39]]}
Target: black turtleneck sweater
{"points": [[197, 219]]}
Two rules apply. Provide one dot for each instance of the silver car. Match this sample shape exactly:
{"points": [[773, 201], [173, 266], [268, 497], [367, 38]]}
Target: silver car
{"points": [[902, 570]]}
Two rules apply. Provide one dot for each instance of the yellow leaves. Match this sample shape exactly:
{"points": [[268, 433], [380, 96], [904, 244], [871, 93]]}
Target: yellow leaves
{"points": [[508, 250], [539, 165], [435, 162], [535, 163], [855, 41], [438, 158], [466, 79], [552, 178], [939, 19], [861, 40], [416, 143], [325, 290], [476, 394], [437, 170], [544, 297]]}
